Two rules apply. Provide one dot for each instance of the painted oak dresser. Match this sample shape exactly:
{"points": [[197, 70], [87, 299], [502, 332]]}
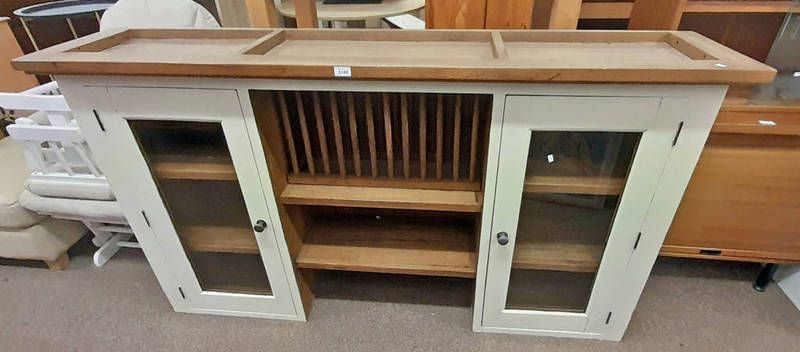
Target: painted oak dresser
{"points": [[545, 165]]}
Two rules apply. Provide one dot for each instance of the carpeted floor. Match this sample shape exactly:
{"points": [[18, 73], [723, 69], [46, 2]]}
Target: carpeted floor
{"points": [[687, 305]]}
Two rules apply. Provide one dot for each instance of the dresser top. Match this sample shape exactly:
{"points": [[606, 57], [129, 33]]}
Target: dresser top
{"points": [[429, 55]]}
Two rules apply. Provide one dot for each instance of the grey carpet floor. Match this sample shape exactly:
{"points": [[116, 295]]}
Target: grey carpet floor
{"points": [[687, 305]]}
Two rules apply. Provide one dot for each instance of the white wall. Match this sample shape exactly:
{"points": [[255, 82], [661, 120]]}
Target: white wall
{"points": [[788, 279]]}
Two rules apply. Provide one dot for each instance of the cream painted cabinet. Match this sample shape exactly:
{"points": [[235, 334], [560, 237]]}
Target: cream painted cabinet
{"points": [[581, 183], [185, 167]]}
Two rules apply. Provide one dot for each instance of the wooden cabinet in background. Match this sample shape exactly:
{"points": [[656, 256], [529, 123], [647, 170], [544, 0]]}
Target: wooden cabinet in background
{"points": [[11, 80], [461, 14], [743, 202]]}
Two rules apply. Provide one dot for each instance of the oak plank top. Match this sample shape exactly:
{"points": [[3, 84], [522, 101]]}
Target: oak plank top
{"points": [[438, 55]]}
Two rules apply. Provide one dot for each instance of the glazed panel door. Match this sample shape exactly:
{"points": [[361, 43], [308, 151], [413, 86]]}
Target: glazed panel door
{"points": [[575, 179], [202, 196]]}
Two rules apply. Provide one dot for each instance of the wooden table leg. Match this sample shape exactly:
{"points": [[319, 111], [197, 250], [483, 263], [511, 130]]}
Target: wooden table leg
{"points": [[61, 263]]}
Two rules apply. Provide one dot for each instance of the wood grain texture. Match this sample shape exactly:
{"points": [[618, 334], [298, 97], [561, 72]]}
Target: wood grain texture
{"points": [[306, 13], [388, 245], [533, 56], [373, 197], [606, 10], [387, 129], [504, 14], [287, 131], [262, 13], [199, 168], [743, 200], [742, 6], [11, 81], [564, 14], [337, 132], [321, 139], [351, 118], [455, 14], [219, 239], [656, 14], [298, 98], [574, 185]]}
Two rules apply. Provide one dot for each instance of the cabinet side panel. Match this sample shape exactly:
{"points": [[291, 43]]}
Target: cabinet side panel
{"points": [[83, 100], [698, 112]]}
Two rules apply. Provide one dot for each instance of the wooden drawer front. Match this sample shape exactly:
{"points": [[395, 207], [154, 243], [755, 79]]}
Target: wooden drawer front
{"points": [[743, 201], [774, 121]]}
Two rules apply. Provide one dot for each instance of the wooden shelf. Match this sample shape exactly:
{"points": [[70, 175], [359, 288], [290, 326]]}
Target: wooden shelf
{"points": [[557, 256], [453, 55], [574, 185], [193, 168], [219, 239], [438, 247], [375, 197], [561, 236]]}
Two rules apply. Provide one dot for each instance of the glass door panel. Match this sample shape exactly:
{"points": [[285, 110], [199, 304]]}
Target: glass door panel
{"points": [[194, 173], [573, 183]]}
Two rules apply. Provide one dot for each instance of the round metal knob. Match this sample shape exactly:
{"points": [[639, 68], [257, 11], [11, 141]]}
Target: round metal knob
{"points": [[260, 225], [502, 238]]}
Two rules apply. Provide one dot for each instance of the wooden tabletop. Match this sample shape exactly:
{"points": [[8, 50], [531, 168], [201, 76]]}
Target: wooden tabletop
{"points": [[354, 12], [441, 55]]}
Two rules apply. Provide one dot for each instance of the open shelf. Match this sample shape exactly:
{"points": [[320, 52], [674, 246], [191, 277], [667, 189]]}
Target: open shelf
{"points": [[396, 245], [568, 232], [193, 168], [557, 256], [219, 239], [600, 185], [375, 197]]}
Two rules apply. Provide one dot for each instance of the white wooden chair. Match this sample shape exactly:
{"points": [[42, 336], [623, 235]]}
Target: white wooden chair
{"points": [[66, 182]]}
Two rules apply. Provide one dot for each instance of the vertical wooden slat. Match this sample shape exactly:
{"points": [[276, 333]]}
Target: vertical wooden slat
{"points": [[323, 143], [564, 14], [455, 14], [439, 135], [404, 122], [505, 14], [351, 115], [656, 14], [337, 133], [473, 145], [498, 46], [287, 131], [387, 128], [306, 13], [423, 110], [301, 114], [373, 156], [262, 13], [456, 137]]}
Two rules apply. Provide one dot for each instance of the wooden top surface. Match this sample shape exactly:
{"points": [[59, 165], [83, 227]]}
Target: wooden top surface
{"points": [[440, 55], [347, 12]]}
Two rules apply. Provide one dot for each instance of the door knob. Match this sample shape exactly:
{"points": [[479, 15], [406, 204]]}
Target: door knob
{"points": [[502, 238], [260, 225]]}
